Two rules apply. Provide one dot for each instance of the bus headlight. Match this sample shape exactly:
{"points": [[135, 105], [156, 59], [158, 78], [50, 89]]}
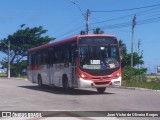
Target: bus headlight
{"points": [[117, 75], [83, 76]]}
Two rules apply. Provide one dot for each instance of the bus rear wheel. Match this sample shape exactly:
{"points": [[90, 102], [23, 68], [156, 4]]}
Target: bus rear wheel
{"points": [[65, 83], [101, 90], [40, 84]]}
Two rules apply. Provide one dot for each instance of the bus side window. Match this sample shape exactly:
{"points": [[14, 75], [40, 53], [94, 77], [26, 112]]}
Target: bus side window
{"points": [[31, 59], [55, 55], [65, 54], [36, 59], [62, 55], [45, 57], [50, 56], [39, 58]]}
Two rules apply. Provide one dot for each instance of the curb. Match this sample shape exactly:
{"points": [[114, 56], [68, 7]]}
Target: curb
{"points": [[19, 78], [136, 88]]}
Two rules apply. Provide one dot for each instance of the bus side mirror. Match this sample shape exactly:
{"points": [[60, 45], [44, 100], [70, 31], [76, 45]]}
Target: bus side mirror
{"points": [[121, 58]]}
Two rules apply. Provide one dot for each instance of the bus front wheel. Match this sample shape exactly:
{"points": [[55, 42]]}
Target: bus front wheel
{"points": [[101, 90]]}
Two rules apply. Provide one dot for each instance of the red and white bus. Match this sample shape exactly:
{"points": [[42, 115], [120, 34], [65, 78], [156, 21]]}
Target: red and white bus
{"points": [[83, 61]]}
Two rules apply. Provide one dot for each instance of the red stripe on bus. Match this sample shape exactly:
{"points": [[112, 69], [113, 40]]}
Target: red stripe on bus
{"points": [[39, 67]]}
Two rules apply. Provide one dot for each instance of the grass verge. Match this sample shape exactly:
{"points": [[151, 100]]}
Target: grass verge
{"points": [[155, 85]]}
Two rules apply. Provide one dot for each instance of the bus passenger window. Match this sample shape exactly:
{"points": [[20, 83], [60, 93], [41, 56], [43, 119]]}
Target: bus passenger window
{"points": [[55, 57], [66, 55]]}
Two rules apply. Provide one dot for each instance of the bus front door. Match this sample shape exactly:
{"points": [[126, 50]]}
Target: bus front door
{"points": [[73, 67]]}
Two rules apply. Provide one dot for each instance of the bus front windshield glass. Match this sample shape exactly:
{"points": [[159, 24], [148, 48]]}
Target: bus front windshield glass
{"points": [[99, 57]]}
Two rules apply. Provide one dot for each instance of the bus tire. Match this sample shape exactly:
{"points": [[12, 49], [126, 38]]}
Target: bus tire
{"points": [[65, 82], [40, 84], [101, 90]]}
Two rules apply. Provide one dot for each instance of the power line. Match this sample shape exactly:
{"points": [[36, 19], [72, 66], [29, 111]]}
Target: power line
{"points": [[114, 26], [129, 9], [129, 15], [128, 24], [124, 24], [71, 31], [152, 20], [69, 24]]}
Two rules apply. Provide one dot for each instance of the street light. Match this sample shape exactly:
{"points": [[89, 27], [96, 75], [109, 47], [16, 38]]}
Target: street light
{"points": [[9, 75], [85, 17], [78, 8]]}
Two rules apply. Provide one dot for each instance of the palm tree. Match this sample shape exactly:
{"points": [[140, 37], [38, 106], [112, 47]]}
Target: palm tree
{"points": [[122, 47], [98, 31], [82, 32]]}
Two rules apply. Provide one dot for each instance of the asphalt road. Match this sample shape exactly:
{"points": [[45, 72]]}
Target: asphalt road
{"points": [[22, 95]]}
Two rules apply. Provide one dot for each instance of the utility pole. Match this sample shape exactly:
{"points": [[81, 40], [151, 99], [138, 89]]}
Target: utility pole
{"points": [[139, 44], [132, 42], [87, 20], [9, 59]]}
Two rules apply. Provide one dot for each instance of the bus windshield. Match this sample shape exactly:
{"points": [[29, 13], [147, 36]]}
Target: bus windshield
{"points": [[99, 57]]}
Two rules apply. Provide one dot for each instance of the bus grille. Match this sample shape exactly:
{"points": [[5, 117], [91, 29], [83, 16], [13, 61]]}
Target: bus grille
{"points": [[101, 83]]}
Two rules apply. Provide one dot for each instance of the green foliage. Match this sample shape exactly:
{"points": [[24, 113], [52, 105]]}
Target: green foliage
{"points": [[126, 57], [98, 31], [18, 69], [82, 32], [155, 85], [130, 74], [21, 41], [123, 48]]}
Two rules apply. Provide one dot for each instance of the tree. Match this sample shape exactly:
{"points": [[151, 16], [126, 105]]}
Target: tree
{"points": [[21, 41], [126, 57], [98, 31], [82, 32], [129, 73], [123, 48], [95, 31]]}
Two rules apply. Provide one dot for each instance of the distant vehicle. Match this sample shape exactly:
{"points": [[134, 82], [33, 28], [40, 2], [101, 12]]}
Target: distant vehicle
{"points": [[153, 73], [158, 69], [78, 62]]}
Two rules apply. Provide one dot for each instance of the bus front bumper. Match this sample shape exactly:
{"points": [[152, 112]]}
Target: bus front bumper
{"points": [[89, 83]]}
